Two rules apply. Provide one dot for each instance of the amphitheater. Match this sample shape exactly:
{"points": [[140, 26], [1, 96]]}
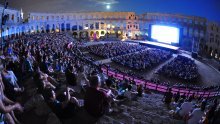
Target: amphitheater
{"points": [[63, 52]]}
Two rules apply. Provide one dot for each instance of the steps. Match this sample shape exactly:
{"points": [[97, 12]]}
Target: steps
{"points": [[147, 110]]}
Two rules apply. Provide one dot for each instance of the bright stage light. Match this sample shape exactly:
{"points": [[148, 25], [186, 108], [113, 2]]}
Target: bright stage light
{"points": [[108, 7], [165, 34]]}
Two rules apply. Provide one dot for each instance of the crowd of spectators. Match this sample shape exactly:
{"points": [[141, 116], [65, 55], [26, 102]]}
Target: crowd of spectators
{"points": [[46, 75], [192, 109], [143, 59], [112, 49], [181, 67]]}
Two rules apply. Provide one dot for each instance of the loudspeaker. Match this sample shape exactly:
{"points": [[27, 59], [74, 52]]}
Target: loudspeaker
{"points": [[194, 55]]}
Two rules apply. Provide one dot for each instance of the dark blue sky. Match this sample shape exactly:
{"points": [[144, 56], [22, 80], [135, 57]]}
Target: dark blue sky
{"points": [[205, 8]]}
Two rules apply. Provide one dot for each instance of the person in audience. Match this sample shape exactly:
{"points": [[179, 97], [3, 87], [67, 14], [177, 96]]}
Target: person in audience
{"points": [[71, 76], [96, 102], [196, 115], [168, 97], [36, 61], [210, 113], [185, 108], [7, 107], [140, 91], [12, 88], [63, 109], [129, 94], [27, 66], [216, 118], [82, 80], [177, 97], [183, 96]]}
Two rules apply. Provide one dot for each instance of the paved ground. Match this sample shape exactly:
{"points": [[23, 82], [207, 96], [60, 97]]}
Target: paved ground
{"points": [[209, 75]]}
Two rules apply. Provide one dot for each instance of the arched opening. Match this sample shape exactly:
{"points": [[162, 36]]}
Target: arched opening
{"points": [[58, 28], [91, 34], [23, 30], [53, 28], [92, 26], [62, 27], [68, 27], [102, 32], [83, 34], [42, 30], [48, 28], [97, 33], [80, 27], [74, 28], [75, 34]]}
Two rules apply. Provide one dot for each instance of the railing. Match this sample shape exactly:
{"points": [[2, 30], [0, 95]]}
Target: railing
{"points": [[160, 88]]}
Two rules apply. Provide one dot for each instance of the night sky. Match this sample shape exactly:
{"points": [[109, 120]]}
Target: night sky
{"points": [[205, 8]]}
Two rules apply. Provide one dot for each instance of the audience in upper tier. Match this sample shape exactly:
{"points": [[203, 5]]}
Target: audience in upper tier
{"points": [[109, 50], [46, 76], [144, 59], [181, 67]]}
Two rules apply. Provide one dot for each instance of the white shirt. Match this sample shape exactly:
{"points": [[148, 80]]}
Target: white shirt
{"points": [[196, 116], [186, 107]]}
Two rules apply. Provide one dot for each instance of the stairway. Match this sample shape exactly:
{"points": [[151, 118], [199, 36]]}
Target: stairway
{"points": [[147, 110]]}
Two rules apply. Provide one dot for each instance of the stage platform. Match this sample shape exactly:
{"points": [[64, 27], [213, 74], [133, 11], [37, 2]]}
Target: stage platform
{"points": [[159, 45]]}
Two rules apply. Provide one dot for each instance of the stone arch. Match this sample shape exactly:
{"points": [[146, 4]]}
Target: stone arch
{"points": [[62, 27], [91, 33], [37, 28], [17, 31], [74, 28], [97, 33], [42, 29], [91, 26], [53, 27], [102, 32], [80, 27], [75, 34], [68, 26], [83, 34], [48, 28], [23, 29]]}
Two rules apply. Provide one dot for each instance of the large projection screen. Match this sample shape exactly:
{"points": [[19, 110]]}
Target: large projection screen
{"points": [[165, 34]]}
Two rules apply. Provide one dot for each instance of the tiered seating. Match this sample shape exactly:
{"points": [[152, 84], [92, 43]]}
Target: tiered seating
{"points": [[144, 59], [109, 50], [57, 84], [181, 67]]}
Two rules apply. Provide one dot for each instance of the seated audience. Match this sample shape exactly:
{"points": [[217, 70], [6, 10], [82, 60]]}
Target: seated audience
{"points": [[95, 102], [63, 109], [109, 50], [181, 67], [185, 108], [7, 107], [196, 115], [168, 97], [144, 59]]}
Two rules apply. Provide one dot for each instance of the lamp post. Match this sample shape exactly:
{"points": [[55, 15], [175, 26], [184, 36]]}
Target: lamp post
{"points": [[3, 22]]}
